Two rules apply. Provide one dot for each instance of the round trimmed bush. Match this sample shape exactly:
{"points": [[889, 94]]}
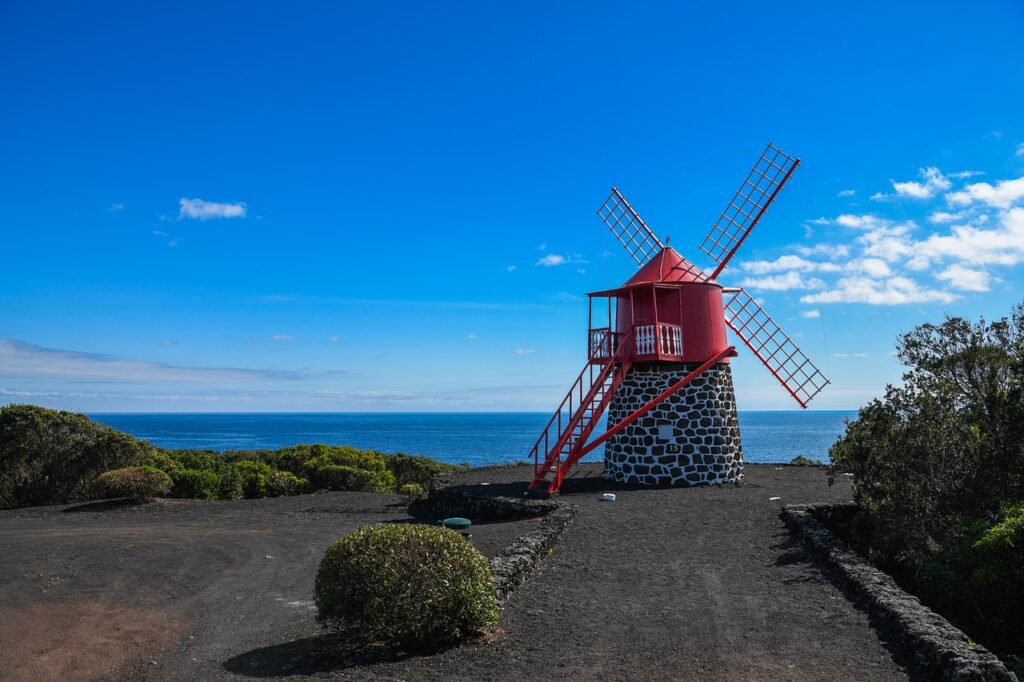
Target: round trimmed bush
{"points": [[138, 483], [407, 583]]}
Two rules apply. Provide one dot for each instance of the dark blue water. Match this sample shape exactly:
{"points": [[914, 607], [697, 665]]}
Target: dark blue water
{"points": [[460, 438]]}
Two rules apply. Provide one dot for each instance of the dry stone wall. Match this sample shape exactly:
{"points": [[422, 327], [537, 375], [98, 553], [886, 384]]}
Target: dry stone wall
{"points": [[690, 438]]}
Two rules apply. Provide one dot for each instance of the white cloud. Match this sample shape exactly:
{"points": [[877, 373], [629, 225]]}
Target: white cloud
{"points": [[167, 342], [872, 267], [965, 279], [1020, 149], [199, 209], [846, 193], [286, 338], [1001, 195], [25, 360], [783, 282], [934, 182], [114, 208], [860, 355], [553, 259], [512, 268], [893, 291], [543, 246], [525, 351], [940, 217], [860, 222], [888, 243], [1001, 245], [811, 314], [830, 250], [782, 263], [960, 175]]}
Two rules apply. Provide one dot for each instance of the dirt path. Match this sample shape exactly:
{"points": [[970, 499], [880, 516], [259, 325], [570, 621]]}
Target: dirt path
{"points": [[698, 583]]}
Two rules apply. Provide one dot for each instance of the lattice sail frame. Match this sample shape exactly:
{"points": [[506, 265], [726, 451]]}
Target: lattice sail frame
{"points": [[629, 228], [744, 210], [773, 347]]}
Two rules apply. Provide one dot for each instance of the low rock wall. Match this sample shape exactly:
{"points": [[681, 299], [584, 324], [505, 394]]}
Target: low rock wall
{"points": [[941, 650], [520, 559]]}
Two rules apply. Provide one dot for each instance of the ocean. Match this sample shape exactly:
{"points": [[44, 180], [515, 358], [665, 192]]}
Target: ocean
{"points": [[459, 438]]}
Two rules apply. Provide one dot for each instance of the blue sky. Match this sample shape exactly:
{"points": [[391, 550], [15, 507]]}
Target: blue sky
{"points": [[331, 206]]}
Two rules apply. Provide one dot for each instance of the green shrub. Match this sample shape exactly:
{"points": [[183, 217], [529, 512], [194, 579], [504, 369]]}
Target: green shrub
{"points": [[230, 485], [406, 583], [414, 469], [196, 484], [412, 492], [802, 461], [937, 464], [138, 483], [51, 457], [254, 478], [340, 477], [282, 483]]}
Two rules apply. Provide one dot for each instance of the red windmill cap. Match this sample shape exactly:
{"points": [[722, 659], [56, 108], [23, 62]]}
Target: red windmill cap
{"points": [[667, 267]]}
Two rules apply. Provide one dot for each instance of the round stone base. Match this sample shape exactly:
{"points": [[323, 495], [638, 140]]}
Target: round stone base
{"points": [[690, 438]]}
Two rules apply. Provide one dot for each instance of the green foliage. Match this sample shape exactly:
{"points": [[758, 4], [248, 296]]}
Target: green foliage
{"points": [[51, 457], [281, 483], [196, 484], [937, 460], [138, 483], [802, 461], [415, 469], [254, 478], [340, 477], [412, 492], [407, 583]]}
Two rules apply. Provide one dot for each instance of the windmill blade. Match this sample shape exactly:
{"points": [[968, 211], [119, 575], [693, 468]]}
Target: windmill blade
{"points": [[629, 228], [764, 181], [773, 347]]}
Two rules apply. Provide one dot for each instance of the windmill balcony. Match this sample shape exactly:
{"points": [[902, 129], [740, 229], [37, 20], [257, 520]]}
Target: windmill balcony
{"points": [[659, 341]]}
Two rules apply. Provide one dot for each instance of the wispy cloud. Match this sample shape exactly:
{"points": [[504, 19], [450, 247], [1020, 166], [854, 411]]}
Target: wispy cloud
{"points": [[117, 206], [783, 282], [282, 338], [20, 359], [525, 351], [846, 193], [892, 291], [965, 279], [933, 183], [811, 314], [512, 268], [553, 259], [200, 209]]}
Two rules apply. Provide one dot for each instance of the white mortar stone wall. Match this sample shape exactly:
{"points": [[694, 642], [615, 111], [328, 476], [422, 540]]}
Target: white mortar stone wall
{"points": [[690, 438]]}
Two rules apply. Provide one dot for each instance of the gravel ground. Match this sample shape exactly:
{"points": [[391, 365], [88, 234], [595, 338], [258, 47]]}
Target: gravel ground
{"points": [[686, 583]]}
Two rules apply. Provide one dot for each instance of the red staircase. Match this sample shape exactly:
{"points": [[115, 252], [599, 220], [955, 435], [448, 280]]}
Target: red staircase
{"points": [[583, 404]]}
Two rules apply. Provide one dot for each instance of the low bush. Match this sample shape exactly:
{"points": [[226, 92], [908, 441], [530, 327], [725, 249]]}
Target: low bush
{"points": [[412, 492], [407, 583], [340, 477], [255, 476], [138, 483], [802, 461], [51, 457], [282, 483], [196, 484], [414, 469]]}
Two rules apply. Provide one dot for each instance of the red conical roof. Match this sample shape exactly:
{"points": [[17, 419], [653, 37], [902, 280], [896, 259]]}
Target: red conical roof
{"points": [[667, 267]]}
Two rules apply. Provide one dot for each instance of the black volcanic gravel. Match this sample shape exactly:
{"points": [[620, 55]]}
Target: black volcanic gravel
{"points": [[681, 583]]}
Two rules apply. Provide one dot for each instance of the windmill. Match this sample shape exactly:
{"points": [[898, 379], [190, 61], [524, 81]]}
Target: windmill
{"points": [[660, 363]]}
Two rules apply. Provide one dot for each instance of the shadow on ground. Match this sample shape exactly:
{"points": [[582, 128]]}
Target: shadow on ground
{"points": [[316, 655]]}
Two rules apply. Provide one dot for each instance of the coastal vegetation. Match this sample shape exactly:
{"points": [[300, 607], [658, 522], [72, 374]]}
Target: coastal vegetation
{"points": [[407, 583], [938, 473], [54, 457]]}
